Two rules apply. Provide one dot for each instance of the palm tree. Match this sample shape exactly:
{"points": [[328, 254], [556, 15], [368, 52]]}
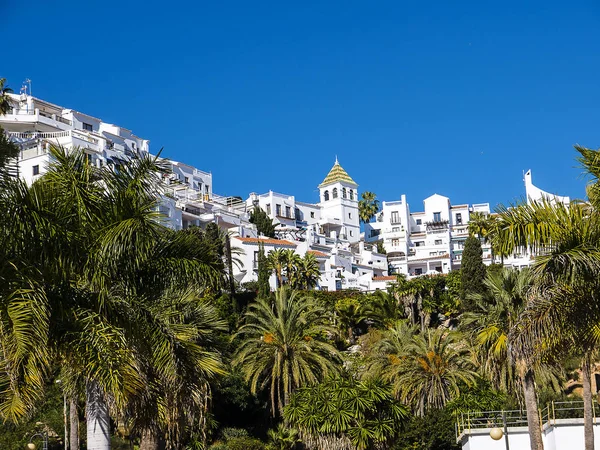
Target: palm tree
{"points": [[308, 272], [292, 262], [277, 260], [368, 206], [427, 370], [102, 261], [283, 346], [4, 98]]}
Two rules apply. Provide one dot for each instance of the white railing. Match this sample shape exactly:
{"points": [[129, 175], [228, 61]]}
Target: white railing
{"points": [[39, 135]]}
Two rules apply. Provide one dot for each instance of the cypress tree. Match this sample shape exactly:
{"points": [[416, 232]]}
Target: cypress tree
{"points": [[263, 222], [264, 289], [472, 268]]}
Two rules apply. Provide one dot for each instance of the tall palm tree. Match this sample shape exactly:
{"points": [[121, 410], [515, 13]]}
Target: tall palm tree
{"points": [[566, 240], [283, 346], [368, 206], [292, 262], [99, 259]]}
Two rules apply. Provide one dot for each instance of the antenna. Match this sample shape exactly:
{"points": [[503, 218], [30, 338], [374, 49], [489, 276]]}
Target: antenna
{"points": [[27, 80]]}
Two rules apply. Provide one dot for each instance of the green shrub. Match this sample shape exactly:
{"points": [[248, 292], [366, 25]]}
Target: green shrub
{"points": [[245, 443]]}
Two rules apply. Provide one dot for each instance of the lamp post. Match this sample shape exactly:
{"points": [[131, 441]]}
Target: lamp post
{"points": [[496, 433], [43, 435]]}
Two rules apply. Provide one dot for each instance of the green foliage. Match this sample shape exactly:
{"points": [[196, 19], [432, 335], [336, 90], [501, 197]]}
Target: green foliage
{"points": [[434, 431], [264, 288], [284, 346], [381, 248], [283, 438], [368, 206], [8, 151], [263, 222], [340, 411], [472, 269]]}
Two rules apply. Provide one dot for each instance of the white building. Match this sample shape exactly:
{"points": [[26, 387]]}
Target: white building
{"points": [[426, 242]]}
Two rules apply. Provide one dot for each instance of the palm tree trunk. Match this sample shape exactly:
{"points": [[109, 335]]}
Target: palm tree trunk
{"points": [[588, 406], [150, 440], [74, 424], [98, 420], [533, 419], [230, 267]]}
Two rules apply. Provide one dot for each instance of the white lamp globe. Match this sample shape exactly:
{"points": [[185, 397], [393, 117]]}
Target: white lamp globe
{"points": [[31, 446], [496, 434]]}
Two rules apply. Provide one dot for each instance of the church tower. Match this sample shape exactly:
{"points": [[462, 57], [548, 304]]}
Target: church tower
{"points": [[339, 205]]}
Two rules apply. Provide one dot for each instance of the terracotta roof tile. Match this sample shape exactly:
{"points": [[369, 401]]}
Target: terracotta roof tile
{"points": [[276, 242], [386, 278], [318, 254], [337, 173]]}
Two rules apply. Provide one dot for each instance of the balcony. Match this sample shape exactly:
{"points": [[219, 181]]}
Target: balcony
{"points": [[437, 225]]}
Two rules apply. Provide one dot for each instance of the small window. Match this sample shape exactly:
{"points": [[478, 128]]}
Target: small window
{"points": [[395, 229], [206, 189], [36, 170], [419, 271], [438, 242], [278, 210], [437, 216], [349, 215], [343, 192], [351, 194], [186, 180], [87, 126], [297, 213], [269, 208], [288, 212], [395, 242], [326, 195], [458, 218], [351, 233], [334, 193], [419, 222], [419, 244], [312, 215], [395, 217]]}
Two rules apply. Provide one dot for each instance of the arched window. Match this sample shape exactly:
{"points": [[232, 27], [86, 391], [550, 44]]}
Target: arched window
{"points": [[351, 194], [326, 195], [334, 193], [343, 192]]}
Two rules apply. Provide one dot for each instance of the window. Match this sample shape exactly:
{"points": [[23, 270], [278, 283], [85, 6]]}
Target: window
{"points": [[458, 218], [349, 215], [395, 229], [395, 242], [420, 244], [419, 222], [438, 242], [87, 126], [351, 233], [278, 210], [395, 217], [186, 180], [36, 170], [326, 195], [334, 193], [288, 212], [351, 194], [206, 189], [419, 271], [438, 269], [268, 208], [343, 192], [133, 145], [312, 214], [437, 216], [297, 213]]}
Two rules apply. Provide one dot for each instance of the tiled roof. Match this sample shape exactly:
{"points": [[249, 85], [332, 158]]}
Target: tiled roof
{"points": [[337, 173], [386, 278], [318, 254], [276, 242], [459, 206]]}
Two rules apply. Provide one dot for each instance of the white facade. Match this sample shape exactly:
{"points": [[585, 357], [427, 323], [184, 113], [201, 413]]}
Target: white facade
{"points": [[426, 242], [417, 243]]}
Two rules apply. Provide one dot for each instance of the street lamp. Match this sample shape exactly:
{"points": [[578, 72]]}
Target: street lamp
{"points": [[43, 435], [496, 432]]}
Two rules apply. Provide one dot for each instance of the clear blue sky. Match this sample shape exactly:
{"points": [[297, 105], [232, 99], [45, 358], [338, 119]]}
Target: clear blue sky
{"points": [[456, 98]]}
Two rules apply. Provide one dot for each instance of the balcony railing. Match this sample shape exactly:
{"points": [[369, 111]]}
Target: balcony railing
{"points": [[437, 224]]}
